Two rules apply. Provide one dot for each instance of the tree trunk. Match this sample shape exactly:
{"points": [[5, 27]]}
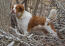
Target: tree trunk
{"points": [[4, 14], [36, 7], [25, 5]]}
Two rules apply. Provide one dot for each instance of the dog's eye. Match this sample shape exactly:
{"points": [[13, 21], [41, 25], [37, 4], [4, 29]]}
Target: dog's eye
{"points": [[20, 8]]}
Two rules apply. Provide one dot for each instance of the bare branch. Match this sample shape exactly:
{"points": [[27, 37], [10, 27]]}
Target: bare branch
{"points": [[36, 7], [11, 44], [17, 1]]}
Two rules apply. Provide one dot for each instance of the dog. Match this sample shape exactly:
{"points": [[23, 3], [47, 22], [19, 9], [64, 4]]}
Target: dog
{"points": [[26, 21]]}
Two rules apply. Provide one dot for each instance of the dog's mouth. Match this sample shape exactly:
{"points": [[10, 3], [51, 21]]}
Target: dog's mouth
{"points": [[12, 11]]}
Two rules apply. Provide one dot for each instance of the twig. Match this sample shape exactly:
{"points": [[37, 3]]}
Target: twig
{"points": [[62, 29], [60, 5], [11, 44], [10, 36]]}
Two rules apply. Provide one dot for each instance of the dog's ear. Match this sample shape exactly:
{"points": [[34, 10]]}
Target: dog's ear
{"points": [[23, 3]]}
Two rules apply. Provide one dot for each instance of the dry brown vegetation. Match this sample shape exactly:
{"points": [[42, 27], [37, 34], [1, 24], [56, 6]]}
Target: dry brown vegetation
{"points": [[36, 7]]}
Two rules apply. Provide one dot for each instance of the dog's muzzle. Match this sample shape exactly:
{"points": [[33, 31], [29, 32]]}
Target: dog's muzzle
{"points": [[12, 11]]}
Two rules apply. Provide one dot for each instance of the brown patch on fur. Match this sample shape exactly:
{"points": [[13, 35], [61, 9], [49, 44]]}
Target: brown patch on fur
{"points": [[19, 8], [52, 26], [36, 20]]}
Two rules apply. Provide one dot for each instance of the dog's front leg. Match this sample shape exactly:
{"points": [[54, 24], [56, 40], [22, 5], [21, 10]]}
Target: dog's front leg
{"points": [[24, 28]]}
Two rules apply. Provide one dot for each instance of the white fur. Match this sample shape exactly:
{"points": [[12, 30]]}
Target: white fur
{"points": [[11, 44], [53, 14], [23, 21], [49, 29], [14, 8]]}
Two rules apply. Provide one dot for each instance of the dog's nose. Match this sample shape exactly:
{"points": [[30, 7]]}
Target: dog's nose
{"points": [[12, 11]]}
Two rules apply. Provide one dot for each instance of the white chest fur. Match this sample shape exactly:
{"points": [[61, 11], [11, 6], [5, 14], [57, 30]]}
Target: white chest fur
{"points": [[23, 21]]}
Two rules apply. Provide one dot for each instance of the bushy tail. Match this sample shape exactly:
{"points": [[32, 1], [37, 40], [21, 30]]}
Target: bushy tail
{"points": [[53, 14]]}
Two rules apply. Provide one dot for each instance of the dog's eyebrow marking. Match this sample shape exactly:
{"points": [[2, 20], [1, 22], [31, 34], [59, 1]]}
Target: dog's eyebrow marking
{"points": [[14, 8]]}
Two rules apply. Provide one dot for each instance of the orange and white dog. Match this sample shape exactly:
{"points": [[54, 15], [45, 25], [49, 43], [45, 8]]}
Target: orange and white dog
{"points": [[26, 21]]}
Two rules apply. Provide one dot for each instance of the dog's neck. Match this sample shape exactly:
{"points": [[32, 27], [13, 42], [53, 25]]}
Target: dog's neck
{"points": [[19, 15], [24, 14]]}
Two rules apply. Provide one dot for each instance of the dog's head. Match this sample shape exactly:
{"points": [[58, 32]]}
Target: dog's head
{"points": [[17, 8]]}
